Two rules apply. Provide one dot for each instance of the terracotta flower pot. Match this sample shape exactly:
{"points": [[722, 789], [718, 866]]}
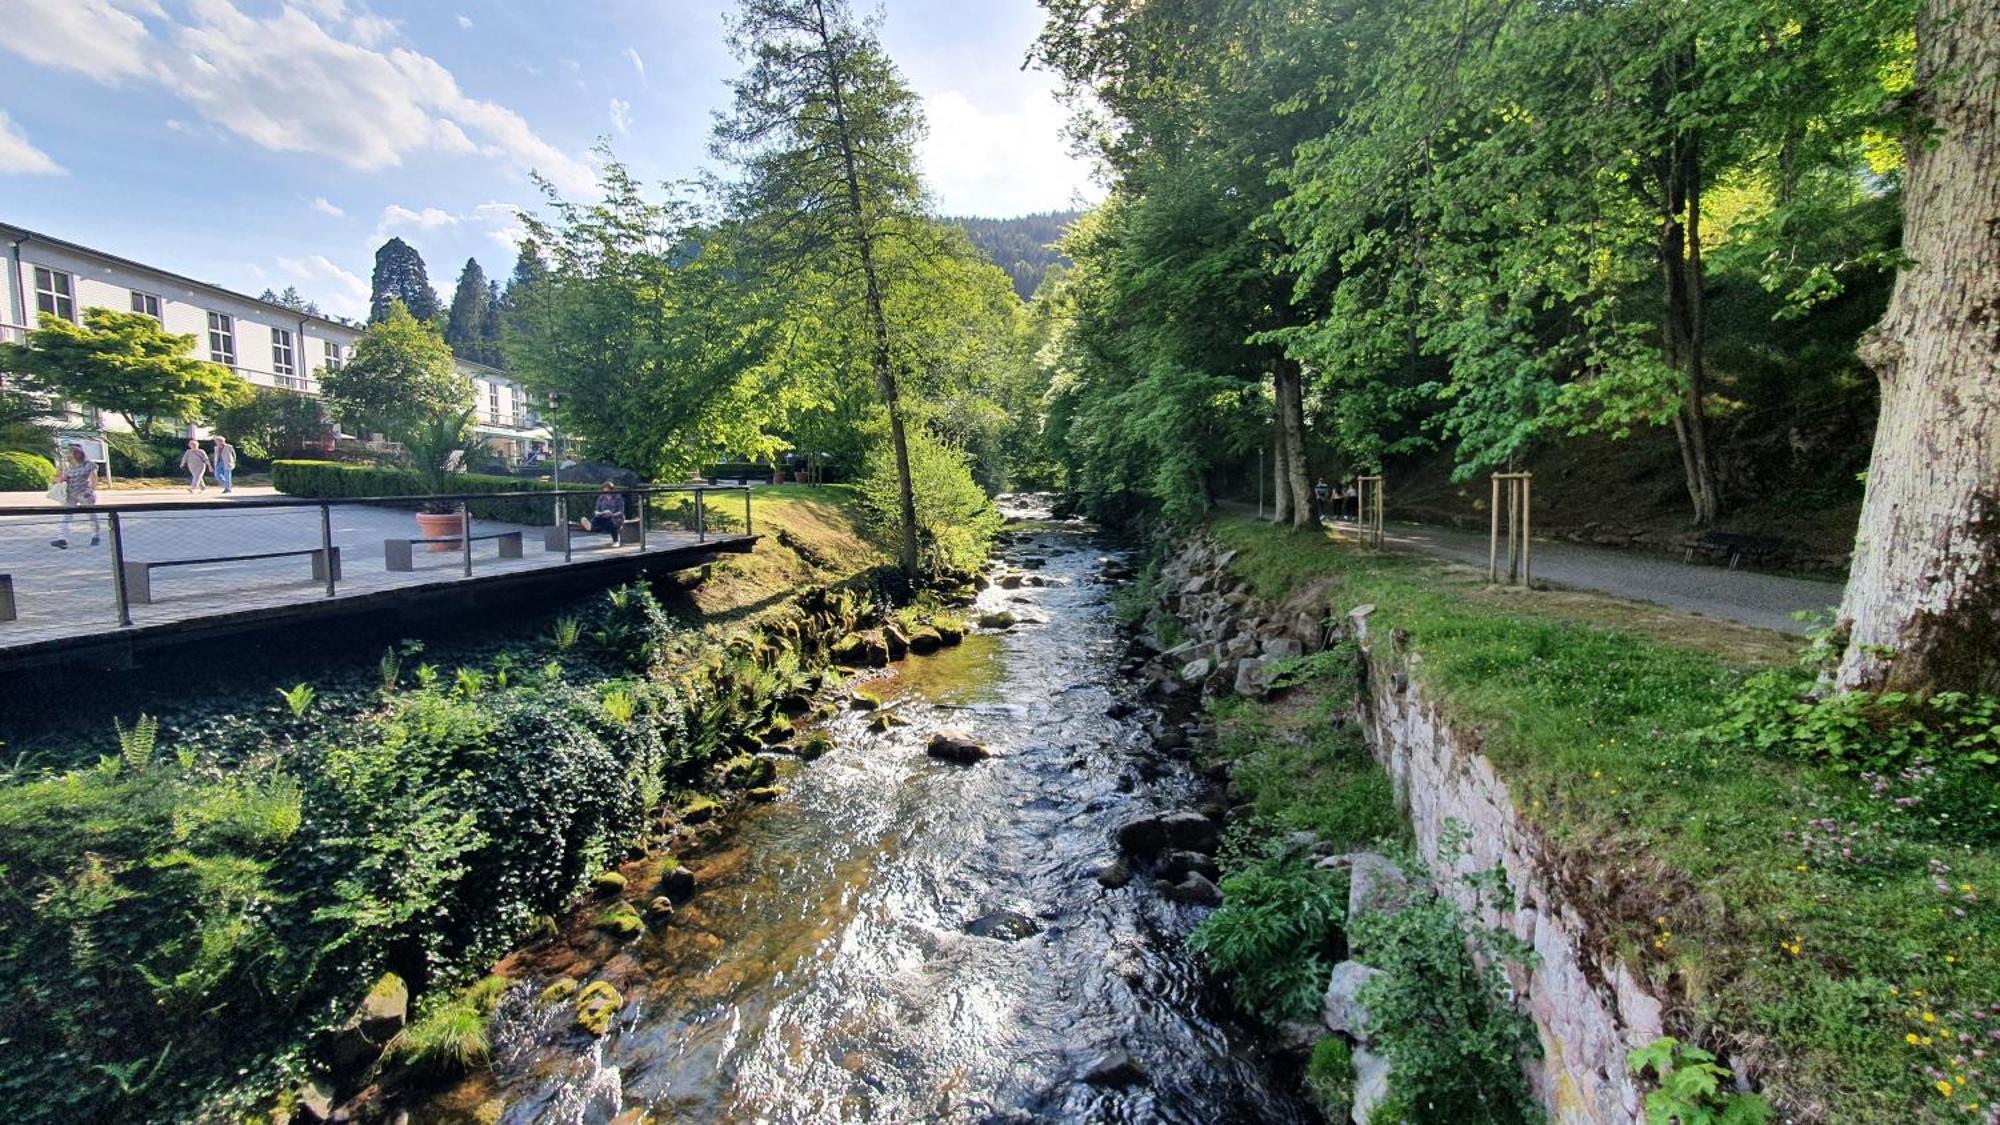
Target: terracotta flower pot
{"points": [[440, 525]]}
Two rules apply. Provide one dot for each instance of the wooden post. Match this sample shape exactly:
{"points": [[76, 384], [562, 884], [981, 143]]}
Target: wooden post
{"points": [[1493, 540], [700, 517], [746, 509], [643, 497], [118, 591], [1527, 540], [465, 534], [326, 543]]}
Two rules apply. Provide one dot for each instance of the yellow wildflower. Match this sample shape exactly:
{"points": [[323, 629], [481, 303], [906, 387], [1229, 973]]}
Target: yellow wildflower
{"points": [[1930, 1017]]}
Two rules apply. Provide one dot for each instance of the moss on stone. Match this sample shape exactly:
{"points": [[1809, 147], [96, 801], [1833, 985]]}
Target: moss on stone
{"points": [[621, 920], [701, 810], [607, 883], [596, 1006], [558, 991]]}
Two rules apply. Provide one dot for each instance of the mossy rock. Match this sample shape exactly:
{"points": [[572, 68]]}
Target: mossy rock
{"points": [[816, 744], [851, 650], [764, 793], [621, 920], [925, 640], [560, 990], [607, 883], [596, 1006], [865, 701], [884, 720], [998, 622], [779, 730], [949, 630], [661, 907], [747, 772], [541, 928], [701, 810]]}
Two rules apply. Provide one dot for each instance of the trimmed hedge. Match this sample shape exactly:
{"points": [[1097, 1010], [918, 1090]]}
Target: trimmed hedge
{"points": [[25, 472], [332, 480]]}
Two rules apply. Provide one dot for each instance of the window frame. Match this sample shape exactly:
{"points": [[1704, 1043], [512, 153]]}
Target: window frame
{"points": [[221, 329], [61, 299], [330, 354], [143, 300], [284, 357]]}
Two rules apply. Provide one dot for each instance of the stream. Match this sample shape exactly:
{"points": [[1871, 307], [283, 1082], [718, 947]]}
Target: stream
{"points": [[832, 965]]}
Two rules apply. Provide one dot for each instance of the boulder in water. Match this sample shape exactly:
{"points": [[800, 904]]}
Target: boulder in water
{"points": [[621, 920], [1175, 865], [677, 883], [1000, 621], [1114, 1068], [1194, 889], [607, 883], [956, 746], [925, 641], [1003, 925], [1115, 874], [596, 1006]]}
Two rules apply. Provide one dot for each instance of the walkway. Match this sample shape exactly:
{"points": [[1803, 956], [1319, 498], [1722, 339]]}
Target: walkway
{"points": [[1748, 597], [65, 597]]}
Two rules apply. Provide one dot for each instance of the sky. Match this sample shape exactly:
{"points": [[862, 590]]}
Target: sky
{"points": [[257, 143]]}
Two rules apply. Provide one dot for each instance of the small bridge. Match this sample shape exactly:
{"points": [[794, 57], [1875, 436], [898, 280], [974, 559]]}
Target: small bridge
{"points": [[175, 572]]}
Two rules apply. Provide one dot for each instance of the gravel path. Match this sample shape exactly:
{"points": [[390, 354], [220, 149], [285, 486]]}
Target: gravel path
{"points": [[1763, 600]]}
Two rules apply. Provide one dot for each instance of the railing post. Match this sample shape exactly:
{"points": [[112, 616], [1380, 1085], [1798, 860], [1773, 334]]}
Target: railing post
{"points": [[326, 544], [1493, 540], [746, 509], [1527, 526], [465, 533], [562, 521], [118, 569], [700, 517], [643, 497]]}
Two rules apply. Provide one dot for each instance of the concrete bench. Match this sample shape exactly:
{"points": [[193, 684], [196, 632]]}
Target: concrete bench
{"points": [[397, 554], [6, 597], [139, 573], [554, 537]]}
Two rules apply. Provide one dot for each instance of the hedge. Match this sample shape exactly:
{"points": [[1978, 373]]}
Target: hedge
{"points": [[332, 480], [25, 472]]}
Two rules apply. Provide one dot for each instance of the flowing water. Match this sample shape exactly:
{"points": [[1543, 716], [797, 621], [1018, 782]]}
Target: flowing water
{"points": [[825, 971]]}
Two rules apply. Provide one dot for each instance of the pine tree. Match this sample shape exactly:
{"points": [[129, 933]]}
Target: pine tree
{"points": [[825, 131], [471, 306], [489, 325], [400, 276], [292, 299]]}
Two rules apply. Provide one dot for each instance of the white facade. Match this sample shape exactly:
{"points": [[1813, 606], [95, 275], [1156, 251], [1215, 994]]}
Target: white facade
{"points": [[266, 344]]}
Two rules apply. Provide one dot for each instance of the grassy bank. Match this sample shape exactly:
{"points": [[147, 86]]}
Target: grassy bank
{"points": [[1832, 927], [192, 898]]}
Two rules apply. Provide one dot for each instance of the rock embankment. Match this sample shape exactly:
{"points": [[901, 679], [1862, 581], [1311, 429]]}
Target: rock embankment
{"points": [[1589, 1008]]}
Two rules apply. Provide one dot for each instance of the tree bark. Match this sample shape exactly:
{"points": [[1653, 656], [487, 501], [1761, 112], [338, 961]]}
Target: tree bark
{"points": [[1281, 491], [1922, 608], [1292, 460], [1682, 332]]}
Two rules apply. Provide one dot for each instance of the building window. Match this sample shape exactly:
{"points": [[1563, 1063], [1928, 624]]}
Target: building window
{"points": [[332, 355], [493, 403], [146, 303], [54, 293], [222, 339], [281, 352]]}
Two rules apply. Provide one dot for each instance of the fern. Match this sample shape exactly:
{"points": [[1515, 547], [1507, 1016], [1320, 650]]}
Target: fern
{"points": [[135, 746], [299, 698]]}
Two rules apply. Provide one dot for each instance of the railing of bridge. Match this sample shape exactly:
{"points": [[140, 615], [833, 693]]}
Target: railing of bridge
{"points": [[64, 567]]}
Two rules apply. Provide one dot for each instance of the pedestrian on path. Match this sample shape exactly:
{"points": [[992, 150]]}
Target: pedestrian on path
{"points": [[225, 463], [78, 474], [609, 517], [196, 464], [1320, 493]]}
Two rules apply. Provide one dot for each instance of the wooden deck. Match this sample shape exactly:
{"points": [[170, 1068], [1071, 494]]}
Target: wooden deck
{"points": [[67, 607]]}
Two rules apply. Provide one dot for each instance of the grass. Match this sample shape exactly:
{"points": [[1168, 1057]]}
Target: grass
{"points": [[809, 536], [1835, 976]]}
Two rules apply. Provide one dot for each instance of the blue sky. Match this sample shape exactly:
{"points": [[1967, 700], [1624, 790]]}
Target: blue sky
{"points": [[254, 143]]}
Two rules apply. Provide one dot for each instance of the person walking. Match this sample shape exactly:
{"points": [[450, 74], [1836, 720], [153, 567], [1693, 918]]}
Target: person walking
{"points": [[196, 464], [78, 474], [1320, 494], [609, 516], [224, 457]]}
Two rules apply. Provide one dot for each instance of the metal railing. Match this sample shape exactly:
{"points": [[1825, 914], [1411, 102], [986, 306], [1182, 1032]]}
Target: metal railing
{"points": [[230, 549]]}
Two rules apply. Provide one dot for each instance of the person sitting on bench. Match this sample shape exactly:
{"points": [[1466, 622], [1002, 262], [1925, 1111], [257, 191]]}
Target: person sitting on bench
{"points": [[609, 517]]}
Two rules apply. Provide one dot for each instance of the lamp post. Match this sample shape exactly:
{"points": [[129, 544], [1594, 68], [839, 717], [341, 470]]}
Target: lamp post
{"points": [[555, 460]]}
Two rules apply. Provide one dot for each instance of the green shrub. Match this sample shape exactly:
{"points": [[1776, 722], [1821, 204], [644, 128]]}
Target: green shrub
{"points": [[25, 472], [1330, 1078], [450, 1036], [1690, 1090], [1275, 937], [333, 480]]}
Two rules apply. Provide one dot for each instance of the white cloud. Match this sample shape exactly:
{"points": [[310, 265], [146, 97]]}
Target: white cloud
{"points": [[1001, 162], [321, 280], [325, 206], [465, 22], [293, 81], [638, 64], [18, 157], [430, 218], [621, 115]]}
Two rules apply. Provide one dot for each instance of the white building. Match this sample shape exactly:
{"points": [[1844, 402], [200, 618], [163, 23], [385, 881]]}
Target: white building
{"points": [[266, 344]]}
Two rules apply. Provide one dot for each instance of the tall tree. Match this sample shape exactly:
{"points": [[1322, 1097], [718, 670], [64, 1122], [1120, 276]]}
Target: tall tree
{"points": [[292, 299], [399, 376], [1922, 608], [125, 363], [824, 131], [471, 307], [489, 324], [400, 276]]}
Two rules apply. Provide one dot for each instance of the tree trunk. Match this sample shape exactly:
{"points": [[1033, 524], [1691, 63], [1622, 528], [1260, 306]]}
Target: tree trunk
{"points": [[1922, 609], [1683, 331], [1292, 462], [1281, 492]]}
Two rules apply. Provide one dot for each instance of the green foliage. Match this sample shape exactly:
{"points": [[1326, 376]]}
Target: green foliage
{"points": [[400, 278], [398, 375], [332, 480], [25, 472], [135, 746], [271, 422], [1690, 1090], [450, 1035], [1275, 937], [430, 443], [956, 522], [299, 698], [1330, 1078], [1024, 246], [123, 362]]}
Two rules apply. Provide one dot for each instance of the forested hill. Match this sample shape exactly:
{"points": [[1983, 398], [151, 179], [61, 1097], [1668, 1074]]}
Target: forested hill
{"points": [[1024, 247]]}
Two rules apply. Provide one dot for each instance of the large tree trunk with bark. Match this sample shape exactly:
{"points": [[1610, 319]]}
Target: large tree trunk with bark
{"points": [[1922, 610], [1683, 331], [1292, 475], [1281, 490]]}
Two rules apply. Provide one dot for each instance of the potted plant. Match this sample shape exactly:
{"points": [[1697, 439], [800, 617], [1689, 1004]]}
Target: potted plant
{"points": [[437, 446]]}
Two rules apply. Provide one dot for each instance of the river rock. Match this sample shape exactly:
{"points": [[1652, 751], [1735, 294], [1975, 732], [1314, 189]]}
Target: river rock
{"points": [[607, 883], [1121, 709], [925, 641], [678, 883], [1194, 888], [355, 1045], [1114, 1068], [1343, 1010], [956, 746], [621, 920], [1002, 620], [1003, 925], [1375, 885], [1371, 1084], [312, 1102], [1177, 863], [1011, 581], [596, 1006], [1150, 835], [1115, 874], [897, 644], [1197, 670]]}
